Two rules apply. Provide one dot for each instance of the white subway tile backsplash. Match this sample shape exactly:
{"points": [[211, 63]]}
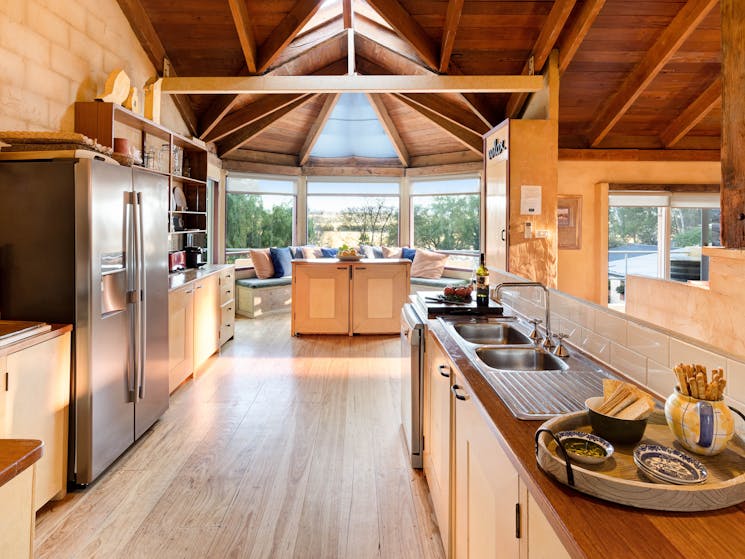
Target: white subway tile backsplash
{"points": [[646, 341], [735, 376], [660, 378], [628, 362], [682, 352], [610, 326], [595, 345], [573, 329], [574, 310]]}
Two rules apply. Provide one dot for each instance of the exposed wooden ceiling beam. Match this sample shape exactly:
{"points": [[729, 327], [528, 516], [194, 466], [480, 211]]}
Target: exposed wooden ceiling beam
{"points": [[240, 137], [285, 32], [693, 114], [471, 140], [315, 130], [447, 110], [480, 107], [577, 32], [546, 40], [143, 28], [212, 116], [654, 60], [341, 84], [385, 38], [390, 128], [248, 114], [408, 28], [347, 14], [245, 32], [452, 18], [566, 154]]}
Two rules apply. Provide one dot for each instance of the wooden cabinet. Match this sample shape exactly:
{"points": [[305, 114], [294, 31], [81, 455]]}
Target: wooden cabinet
{"points": [[180, 335], [436, 416], [34, 404], [17, 516], [227, 305], [320, 298], [206, 318], [541, 539], [378, 292], [486, 486]]}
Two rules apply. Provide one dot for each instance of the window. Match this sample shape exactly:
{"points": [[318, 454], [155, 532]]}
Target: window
{"points": [[659, 234], [259, 214], [353, 213], [447, 218]]}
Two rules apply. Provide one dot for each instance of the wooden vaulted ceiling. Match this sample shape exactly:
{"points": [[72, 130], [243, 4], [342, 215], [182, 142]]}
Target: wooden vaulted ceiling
{"points": [[641, 75]]}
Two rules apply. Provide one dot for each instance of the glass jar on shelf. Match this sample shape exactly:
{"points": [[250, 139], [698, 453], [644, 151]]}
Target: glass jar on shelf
{"points": [[176, 160], [164, 158]]}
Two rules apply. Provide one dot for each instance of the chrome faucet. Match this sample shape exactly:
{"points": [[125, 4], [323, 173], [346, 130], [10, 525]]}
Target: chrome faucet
{"points": [[547, 341]]}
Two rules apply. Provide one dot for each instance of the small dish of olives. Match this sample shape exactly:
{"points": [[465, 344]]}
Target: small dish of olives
{"points": [[585, 447]]}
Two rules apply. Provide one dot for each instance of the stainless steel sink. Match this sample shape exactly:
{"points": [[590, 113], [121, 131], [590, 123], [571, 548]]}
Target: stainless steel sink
{"points": [[491, 334], [520, 359]]}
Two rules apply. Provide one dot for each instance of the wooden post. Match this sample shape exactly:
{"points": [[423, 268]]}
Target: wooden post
{"points": [[733, 123]]}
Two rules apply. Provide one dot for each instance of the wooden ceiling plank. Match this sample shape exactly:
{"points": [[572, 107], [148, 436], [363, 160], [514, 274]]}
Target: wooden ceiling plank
{"points": [[286, 31], [143, 29], [390, 128], [655, 59], [693, 114], [460, 117], [546, 40], [408, 28], [478, 105], [315, 130], [248, 114], [245, 32], [575, 34], [387, 39], [346, 83], [347, 14], [240, 137], [472, 141], [452, 18], [215, 113]]}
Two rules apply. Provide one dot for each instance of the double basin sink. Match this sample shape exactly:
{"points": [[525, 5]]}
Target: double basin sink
{"points": [[532, 382]]}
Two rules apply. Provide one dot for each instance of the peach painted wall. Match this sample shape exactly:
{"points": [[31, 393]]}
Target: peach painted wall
{"points": [[53, 53], [581, 272]]}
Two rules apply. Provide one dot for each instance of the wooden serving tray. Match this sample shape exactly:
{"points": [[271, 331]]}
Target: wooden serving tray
{"points": [[618, 479]]}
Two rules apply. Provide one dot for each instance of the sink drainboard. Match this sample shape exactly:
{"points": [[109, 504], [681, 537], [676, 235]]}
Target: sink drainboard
{"points": [[541, 395]]}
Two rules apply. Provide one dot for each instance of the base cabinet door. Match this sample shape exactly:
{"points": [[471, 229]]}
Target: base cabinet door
{"points": [[36, 406], [378, 293], [486, 486], [17, 516], [320, 299], [180, 335], [542, 541], [206, 318], [436, 455]]}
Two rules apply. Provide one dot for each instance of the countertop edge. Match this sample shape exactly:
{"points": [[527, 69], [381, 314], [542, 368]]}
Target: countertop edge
{"points": [[57, 330], [177, 280], [16, 455]]}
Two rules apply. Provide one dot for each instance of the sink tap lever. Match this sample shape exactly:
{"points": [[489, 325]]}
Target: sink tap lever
{"points": [[534, 334], [561, 350]]}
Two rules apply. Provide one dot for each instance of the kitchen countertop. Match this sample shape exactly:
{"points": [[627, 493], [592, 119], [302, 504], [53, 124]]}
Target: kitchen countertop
{"points": [[16, 455], [590, 527], [56, 330], [179, 279]]}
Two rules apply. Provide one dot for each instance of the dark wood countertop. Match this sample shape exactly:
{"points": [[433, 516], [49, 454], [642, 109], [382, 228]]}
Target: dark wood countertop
{"points": [[179, 279], [57, 330], [590, 527], [16, 455]]}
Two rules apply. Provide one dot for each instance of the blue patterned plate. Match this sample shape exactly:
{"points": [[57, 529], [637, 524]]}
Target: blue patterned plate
{"points": [[669, 465]]}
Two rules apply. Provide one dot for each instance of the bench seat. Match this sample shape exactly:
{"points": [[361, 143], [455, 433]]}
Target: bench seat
{"points": [[427, 284], [257, 297]]}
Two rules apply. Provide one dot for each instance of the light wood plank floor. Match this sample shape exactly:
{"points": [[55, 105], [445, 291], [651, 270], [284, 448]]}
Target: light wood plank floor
{"points": [[282, 447]]}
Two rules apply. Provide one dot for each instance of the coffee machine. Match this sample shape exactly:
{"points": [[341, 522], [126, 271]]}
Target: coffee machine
{"points": [[195, 256]]}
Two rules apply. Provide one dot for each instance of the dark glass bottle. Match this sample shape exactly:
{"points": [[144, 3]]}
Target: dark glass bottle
{"points": [[482, 284]]}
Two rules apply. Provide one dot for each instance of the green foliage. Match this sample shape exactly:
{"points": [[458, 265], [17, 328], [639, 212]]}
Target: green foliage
{"points": [[448, 223], [627, 225], [250, 225], [375, 221], [688, 238]]}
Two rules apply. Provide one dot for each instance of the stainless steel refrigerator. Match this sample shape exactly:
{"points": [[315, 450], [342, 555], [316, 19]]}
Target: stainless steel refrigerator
{"points": [[84, 241]]}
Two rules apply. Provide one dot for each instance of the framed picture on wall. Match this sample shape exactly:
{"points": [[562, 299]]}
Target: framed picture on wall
{"points": [[569, 222]]}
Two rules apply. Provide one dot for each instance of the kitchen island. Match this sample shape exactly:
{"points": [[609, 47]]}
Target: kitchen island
{"points": [[586, 526]]}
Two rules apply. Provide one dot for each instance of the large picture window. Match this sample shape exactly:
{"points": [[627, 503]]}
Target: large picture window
{"points": [[259, 213], [352, 213], [447, 217]]}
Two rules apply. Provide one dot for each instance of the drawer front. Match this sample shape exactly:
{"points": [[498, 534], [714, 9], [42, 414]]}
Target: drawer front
{"points": [[227, 314], [227, 291], [226, 332]]}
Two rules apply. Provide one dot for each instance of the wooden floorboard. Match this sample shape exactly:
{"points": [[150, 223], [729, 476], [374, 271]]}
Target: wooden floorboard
{"points": [[280, 447]]}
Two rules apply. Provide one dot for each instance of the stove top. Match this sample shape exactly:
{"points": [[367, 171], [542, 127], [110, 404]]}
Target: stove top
{"points": [[427, 306]]}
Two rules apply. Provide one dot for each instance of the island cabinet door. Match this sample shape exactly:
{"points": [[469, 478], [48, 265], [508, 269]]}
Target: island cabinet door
{"points": [[320, 299], [486, 486], [378, 293]]}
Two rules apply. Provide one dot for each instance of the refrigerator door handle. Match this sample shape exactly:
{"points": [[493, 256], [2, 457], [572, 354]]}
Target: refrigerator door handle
{"points": [[132, 349], [143, 297]]}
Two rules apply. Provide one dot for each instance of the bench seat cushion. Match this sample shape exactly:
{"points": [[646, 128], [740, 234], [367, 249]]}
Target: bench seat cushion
{"points": [[441, 282], [259, 283]]}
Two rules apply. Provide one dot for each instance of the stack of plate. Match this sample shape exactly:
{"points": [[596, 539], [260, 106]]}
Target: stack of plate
{"points": [[662, 464]]}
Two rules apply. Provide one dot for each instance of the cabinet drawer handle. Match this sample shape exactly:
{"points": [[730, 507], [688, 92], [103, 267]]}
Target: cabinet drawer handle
{"points": [[341, 267], [190, 291], [455, 389], [7, 381], [200, 286], [228, 291], [444, 370]]}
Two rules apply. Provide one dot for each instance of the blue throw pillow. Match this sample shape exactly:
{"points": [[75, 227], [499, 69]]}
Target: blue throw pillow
{"points": [[297, 252], [377, 252], [282, 260], [408, 253], [329, 252]]}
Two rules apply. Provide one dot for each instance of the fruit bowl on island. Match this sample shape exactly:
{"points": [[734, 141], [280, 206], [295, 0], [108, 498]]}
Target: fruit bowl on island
{"points": [[348, 253]]}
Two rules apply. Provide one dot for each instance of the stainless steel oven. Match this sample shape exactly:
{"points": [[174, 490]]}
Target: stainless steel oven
{"points": [[412, 374]]}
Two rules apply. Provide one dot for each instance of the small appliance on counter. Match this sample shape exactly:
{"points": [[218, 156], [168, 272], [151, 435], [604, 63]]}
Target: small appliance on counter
{"points": [[176, 260], [195, 257]]}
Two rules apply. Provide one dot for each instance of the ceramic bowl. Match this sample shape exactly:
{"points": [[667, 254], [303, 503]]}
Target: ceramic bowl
{"points": [[619, 431], [575, 441]]}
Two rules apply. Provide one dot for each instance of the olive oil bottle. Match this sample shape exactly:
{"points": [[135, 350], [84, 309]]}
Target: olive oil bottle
{"points": [[482, 284]]}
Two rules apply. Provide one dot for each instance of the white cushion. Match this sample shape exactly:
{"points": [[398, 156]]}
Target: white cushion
{"points": [[428, 264], [391, 252]]}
